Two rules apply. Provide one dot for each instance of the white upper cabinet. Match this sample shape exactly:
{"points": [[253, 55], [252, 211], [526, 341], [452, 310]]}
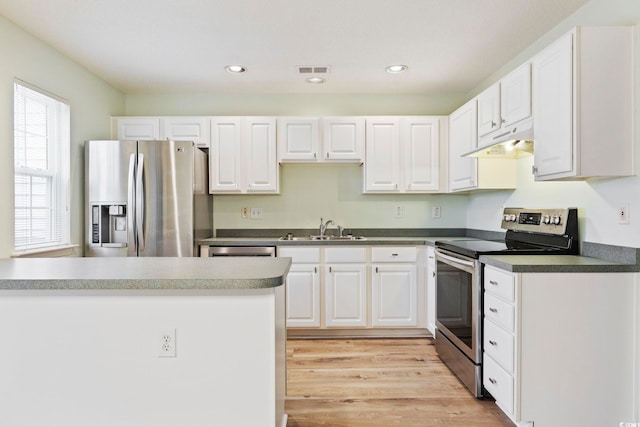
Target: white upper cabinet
{"points": [[420, 139], [403, 154], [468, 173], [583, 105], [343, 138], [298, 139], [463, 137], [327, 139], [225, 159], [242, 156], [194, 129], [137, 128], [382, 160], [504, 103]]}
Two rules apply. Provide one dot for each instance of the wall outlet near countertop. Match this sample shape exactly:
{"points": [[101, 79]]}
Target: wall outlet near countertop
{"points": [[435, 212], [244, 212], [256, 213], [398, 212], [167, 343], [623, 214]]}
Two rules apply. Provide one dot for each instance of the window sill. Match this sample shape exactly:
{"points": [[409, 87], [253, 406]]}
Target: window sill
{"points": [[56, 252]]}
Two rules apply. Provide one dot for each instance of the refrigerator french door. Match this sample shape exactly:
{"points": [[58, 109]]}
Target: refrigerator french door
{"points": [[141, 199]]}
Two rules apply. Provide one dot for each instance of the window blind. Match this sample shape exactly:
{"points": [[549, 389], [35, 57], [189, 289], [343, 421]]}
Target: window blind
{"points": [[41, 154]]}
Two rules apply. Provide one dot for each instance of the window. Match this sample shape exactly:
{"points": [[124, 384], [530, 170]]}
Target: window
{"points": [[41, 157]]}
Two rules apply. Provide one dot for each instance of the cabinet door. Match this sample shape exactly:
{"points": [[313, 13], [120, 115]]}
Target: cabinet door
{"points": [[298, 139], [431, 290], [394, 295], [382, 164], [260, 160], [515, 95], [489, 110], [553, 109], [194, 129], [224, 155], [343, 138], [463, 138], [345, 295], [138, 129], [303, 296], [421, 146]]}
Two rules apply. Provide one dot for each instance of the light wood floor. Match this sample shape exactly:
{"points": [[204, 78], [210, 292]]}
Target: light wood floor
{"points": [[378, 382]]}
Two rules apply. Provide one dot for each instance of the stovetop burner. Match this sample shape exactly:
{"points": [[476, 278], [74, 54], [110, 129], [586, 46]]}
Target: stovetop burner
{"points": [[529, 232]]}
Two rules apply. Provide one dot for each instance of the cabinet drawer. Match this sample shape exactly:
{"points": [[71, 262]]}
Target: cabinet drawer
{"points": [[499, 311], [499, 344], [498, 382], [500, 283], [309, 255], [394, 254], [338, 255]]}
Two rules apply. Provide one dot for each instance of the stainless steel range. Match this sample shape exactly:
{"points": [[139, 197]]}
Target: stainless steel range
{"points": [[459, 281]]}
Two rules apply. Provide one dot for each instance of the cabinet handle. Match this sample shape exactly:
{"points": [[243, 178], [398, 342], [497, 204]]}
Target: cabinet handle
{"points": [[434, 274], [492, 381], [315, 155], [534, 170], [493, 282], [493, 124], [431, 257], [376, 269], [394, 254], [327, 155], [493, 343], [315, 270], [493, 310], [330, 270], [502, 120]]}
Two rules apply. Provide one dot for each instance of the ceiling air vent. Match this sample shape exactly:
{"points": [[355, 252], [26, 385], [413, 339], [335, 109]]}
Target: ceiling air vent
{"points": [[313, 69]]}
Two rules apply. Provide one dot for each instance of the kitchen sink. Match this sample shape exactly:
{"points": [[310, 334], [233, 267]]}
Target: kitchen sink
{"points": [[322, 238]]}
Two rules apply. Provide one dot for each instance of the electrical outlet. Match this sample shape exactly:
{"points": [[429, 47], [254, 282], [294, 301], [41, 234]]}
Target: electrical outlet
{"points": [[167, 343], [435, 212], [398, 212], [244, 212], [256, 213], [623, 214]]}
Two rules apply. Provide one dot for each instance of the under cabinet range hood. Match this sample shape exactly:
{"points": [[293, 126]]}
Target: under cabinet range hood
{"points": [[511, 142]]}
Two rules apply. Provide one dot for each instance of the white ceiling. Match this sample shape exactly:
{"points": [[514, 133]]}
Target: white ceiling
{"points": [[183, 45]]}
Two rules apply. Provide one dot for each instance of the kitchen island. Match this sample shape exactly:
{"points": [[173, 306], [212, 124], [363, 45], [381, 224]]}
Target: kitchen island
{"points": [[142, 342]]}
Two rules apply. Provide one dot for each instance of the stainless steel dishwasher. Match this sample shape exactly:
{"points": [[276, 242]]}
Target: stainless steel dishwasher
{"points": [[228, 251]]}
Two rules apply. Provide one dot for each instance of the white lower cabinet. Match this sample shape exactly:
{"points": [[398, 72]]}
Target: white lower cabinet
{"points": [[394, 287], [431, 290], [355, 287], [555, 353], [303, 287]]}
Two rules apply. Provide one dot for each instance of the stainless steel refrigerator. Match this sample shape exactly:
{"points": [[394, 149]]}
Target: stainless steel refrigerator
{"points": [[146, 198]]}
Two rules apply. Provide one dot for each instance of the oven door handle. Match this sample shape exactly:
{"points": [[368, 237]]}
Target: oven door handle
{"points": [[456, 260]]}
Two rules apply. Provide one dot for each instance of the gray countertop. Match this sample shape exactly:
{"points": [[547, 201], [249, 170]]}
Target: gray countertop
{"points": [[275, 241], [555, 264], [142, 273]]}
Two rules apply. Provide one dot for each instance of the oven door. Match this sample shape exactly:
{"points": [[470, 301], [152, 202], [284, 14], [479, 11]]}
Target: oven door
{"points": [[458, 298]]}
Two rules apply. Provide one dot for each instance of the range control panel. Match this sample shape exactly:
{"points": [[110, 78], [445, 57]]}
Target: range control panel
{"points": [[549, 221]]}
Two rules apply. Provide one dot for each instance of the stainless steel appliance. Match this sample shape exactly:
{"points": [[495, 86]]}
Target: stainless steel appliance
{"points": [[232, 251], [145, 198], [459, 281]]}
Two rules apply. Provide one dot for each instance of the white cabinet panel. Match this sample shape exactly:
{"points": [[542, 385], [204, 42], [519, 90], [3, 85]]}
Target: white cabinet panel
{"points": [[343, 138], [194, 129], [463, 137], [138, 128], [420, 139], [489, 110], [298, 139], [394, 295], [515, 95], [303, 296], [345, 295], [382, 163], [431, 290], [225, 155], [261, 161]]}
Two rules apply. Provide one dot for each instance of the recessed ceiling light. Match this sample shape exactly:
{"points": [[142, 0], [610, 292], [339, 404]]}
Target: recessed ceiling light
{"points": [[316, 80], [395, 69], [235, 69]]}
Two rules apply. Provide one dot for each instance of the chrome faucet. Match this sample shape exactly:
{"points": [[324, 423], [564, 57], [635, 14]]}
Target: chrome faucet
{"points": [[324, 225]]}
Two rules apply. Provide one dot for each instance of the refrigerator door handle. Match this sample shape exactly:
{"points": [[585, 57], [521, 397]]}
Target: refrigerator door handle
{"points": [[140, 203], [131, 225]]}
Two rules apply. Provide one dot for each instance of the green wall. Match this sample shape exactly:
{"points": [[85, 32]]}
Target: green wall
{"points": [[92, 102]]}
